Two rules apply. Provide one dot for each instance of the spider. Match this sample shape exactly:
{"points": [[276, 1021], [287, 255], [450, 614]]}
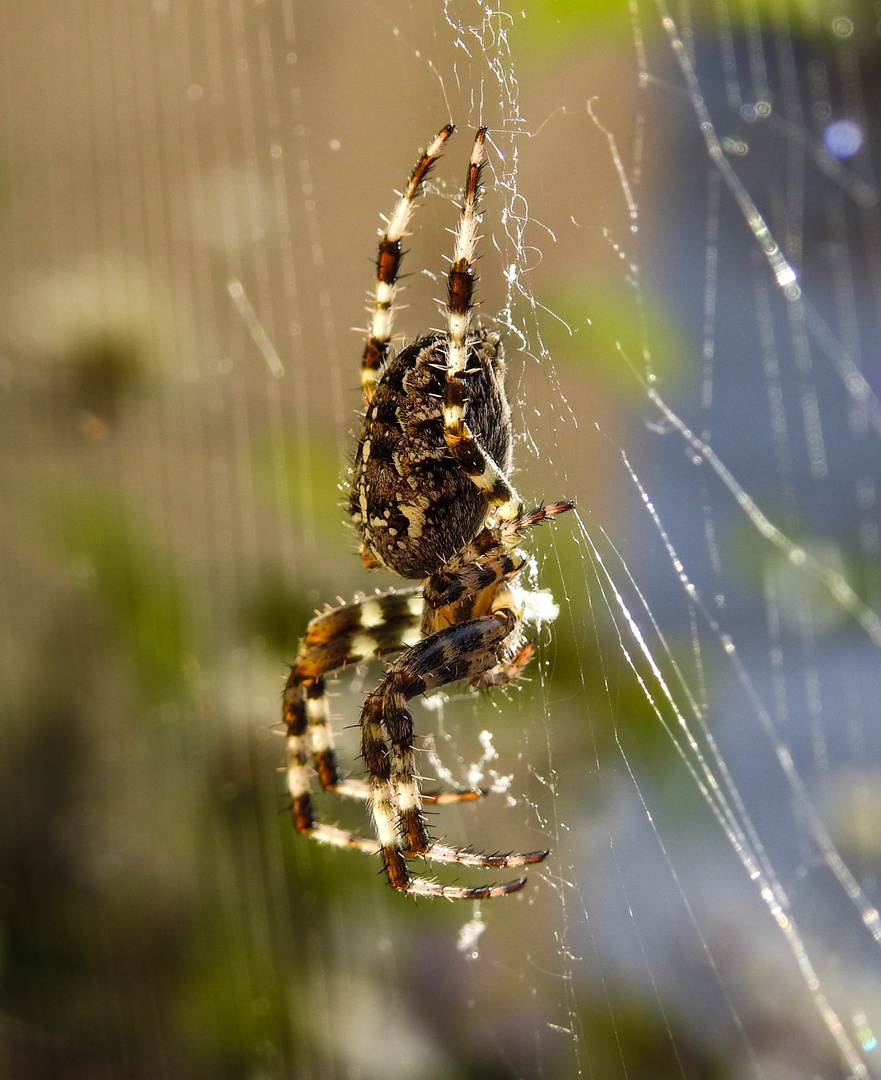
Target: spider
{"points": [[432, 501]]}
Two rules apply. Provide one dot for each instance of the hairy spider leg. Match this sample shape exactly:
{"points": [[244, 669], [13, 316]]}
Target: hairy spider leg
{"points": [[388, 263], [472, 458], [463, 651], [347, 634], [375, 626], [460, 276], [473, 582], [487, 560]]}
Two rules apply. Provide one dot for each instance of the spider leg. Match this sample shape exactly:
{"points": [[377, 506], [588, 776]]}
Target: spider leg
{"points": [[460, 277], [488, 560], [360, 789], [462, 651], [388, 263], [474, 580], [347, 634], [352, 633], [472, 458]]}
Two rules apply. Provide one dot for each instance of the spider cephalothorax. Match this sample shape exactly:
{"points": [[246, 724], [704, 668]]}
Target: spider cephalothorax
{"points": [[432, 500]]}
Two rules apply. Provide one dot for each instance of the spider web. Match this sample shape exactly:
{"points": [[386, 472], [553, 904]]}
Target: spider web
{"points": [[681, 244]]}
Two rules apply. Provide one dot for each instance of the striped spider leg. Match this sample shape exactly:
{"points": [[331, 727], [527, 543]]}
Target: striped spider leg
{"points": [[350, 634], [480, 467], [388, 264]]}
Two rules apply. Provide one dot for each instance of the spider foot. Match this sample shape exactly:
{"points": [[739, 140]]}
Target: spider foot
{"points": [[445, 854], [441, 798], [425, 887], [399, 878], [358, 789], [506, 671], [395, 858], [542, 513], [341, 838]]}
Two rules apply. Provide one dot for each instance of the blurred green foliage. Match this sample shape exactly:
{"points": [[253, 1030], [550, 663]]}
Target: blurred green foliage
{"points": [[609, 336], [136, 586]]}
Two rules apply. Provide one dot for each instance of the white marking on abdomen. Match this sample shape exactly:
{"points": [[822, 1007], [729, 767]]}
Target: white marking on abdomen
{"points": [[416, 516]]}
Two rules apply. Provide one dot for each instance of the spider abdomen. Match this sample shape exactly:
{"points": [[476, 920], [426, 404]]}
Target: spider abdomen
{"points": [[411, 501]]}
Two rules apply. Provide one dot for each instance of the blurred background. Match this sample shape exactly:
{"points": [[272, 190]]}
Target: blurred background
{"points": [[190, 199]]}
